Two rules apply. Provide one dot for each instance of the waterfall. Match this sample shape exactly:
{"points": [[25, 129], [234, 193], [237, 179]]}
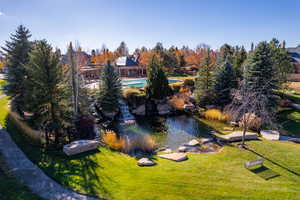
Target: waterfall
{"points": [[126, 116]]}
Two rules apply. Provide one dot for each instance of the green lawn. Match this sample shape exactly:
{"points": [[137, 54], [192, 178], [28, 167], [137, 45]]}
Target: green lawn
{"points": [[113, 175], [204, 176], [2, 83]]}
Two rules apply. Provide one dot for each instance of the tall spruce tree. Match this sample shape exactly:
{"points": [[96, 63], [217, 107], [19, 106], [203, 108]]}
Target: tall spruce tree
{"points": [[157, 82], [260, 74], [110, 89], [74, 79], [239, 57], [16, 52], [282, 61], [226, 53], [122, 50], [204, 82], [46, 94], [224, 84]]}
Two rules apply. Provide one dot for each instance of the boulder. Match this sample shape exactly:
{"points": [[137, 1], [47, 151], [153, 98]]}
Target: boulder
{"points": [[296, 140], [140, 110], [164, 109], [174, 156], [80, 146], [193, 143], [206, 140], [237, 136], [189, 107], [232, 123], [228, 128], [145, 162], [167, 150], [183, 149], [270, 134]]}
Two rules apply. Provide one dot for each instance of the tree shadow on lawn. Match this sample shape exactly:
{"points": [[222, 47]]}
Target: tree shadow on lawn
{"points": [[77, 172], [275, 163], [289, 122], [264, 172]]}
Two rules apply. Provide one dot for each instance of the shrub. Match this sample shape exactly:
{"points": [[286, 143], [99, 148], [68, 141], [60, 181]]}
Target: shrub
{"points": [[35, 136], [112, 140], [215, 114], [144, 142], [189, 82], [253, 122], [134, 96], [130, 92]]}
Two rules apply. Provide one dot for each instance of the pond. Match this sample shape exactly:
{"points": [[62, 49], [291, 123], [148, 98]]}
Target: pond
{"points": [[171, 131]]}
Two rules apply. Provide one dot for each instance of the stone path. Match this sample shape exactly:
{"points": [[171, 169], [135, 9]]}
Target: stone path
{"points": [[32, 176]]}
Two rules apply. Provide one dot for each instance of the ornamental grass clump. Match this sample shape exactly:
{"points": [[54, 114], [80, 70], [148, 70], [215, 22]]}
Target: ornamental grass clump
{"points": [[215, 114], [111, 139]]}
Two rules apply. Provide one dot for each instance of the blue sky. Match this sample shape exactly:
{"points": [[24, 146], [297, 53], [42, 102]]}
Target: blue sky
{"points": [[145, 22]]}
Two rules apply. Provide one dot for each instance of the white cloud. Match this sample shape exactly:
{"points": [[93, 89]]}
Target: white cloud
{"points": [[1, 13]]}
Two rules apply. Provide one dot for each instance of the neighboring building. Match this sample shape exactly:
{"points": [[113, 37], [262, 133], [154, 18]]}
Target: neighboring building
{"points": [[128, 67], [295, 54], [82, 58], [91, 72]]}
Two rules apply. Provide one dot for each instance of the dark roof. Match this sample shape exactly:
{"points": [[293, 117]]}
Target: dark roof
{"points": [[126, 61], [295, 54]]}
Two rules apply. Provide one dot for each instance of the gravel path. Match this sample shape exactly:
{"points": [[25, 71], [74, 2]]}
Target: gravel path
{"points": [[32, 176]]}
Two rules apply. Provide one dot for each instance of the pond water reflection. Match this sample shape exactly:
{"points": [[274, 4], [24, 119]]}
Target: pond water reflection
{"points": [[172, 131]]}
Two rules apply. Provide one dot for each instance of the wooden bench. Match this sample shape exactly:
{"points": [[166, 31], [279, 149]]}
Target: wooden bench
{"points": [[254, 163]]}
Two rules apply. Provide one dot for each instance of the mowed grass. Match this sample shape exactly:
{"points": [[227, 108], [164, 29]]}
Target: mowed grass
{"points": [[114, 175]]}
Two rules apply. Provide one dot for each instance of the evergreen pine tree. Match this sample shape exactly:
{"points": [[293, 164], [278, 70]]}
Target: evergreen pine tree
{"points": [[282, 61], [239, 57], [16, 52], [122, 50], [224, 84], [204, 82], [226, 53], [157, 82], [260, 74], [109, 90], [46, 94]]}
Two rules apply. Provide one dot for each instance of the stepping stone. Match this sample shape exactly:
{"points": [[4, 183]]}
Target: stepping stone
{"points": [[228, 128], [270, 134], [168, 150], [145, 162], [174, 156], [182, 149], [237, 136], [206, 140], [193, 142]]}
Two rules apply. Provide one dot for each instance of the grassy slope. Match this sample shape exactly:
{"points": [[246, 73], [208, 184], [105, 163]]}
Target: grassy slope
{"points": [[10, 188], [204, 176], [290, 118]]}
